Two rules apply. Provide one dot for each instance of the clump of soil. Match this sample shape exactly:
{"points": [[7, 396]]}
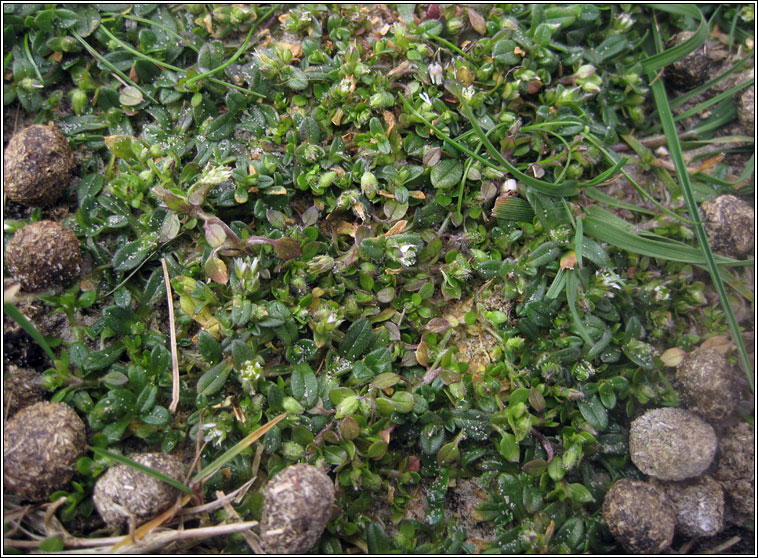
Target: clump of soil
{"points": [[38, 165], [297, 507], [708, 383], [124, 492], [462, 502], [690, 71], [699, 505], [41, 444], [736, 471], [21, 388], [43, 255], [671, 444], [729, 222], [639, 516]]}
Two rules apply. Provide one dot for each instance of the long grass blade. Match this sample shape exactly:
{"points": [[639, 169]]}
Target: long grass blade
{"points": [[669, 129], [698, 109], [104, 61], [572, 286], [28, 327], [666, 57], [602, 197], [230, 454], [606, 227]]}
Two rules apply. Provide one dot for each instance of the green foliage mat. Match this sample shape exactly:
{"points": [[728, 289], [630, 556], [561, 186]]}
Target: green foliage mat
{"points": [[390, 229]]}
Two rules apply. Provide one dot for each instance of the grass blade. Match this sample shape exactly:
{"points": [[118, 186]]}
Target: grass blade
{"points": [[602, 197], [666, 57], [669, 129], [606, 227], [28, 327]]}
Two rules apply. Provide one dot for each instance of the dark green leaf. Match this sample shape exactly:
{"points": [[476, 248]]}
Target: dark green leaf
{"points": [[158, 416], [579, 493], [214, 379], [129, 256], [209, 348], [211, 55], [101, 359], [357, 339], [376, 539], [118, 319], [446, 174], [594, 413]]}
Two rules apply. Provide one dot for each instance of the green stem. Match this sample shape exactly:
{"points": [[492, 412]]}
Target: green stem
{"points": [[237, 54], [138, 54], [452, 47], [612, 157], [156, 24], [110, 66]]}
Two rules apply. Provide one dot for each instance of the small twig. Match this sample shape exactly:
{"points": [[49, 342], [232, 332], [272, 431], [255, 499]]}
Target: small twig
{"points": [[210, 506], [50, 513], [250, 539], [722, 547], [172, 328], [153, 542]]}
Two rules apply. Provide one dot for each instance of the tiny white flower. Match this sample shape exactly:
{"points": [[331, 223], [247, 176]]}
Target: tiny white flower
{"points": [[213, 433], [435, 73], [425, 97], [609, 279], [407, 254], [661, 293], [250, 371], [509, 188]]}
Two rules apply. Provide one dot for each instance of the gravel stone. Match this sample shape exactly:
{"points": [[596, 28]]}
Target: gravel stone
{"points": [[736, 470], [671, 444], [21, 388], [639, 516], [745, 104], [122, 491], [297, 507], [698, 504], [38, 164], [730, 224], [708, 383], [41, 444], [43, 255]]}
